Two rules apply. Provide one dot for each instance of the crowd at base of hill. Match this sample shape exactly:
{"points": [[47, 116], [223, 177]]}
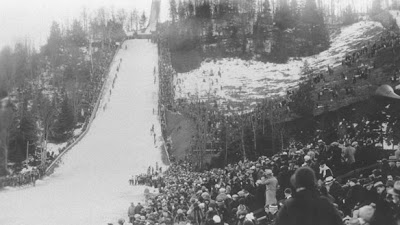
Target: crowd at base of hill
{"points": [[21, 179], [272, 191]]}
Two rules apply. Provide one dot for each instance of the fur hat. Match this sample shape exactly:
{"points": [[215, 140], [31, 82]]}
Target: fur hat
{"points": [[304, 177]]}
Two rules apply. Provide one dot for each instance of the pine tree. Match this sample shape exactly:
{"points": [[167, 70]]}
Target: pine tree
{"points": [[283, 16], [65, 121], [77, 36], [54, 46], [173, 13], [376, 7], [303, 104], [181, 11], [23, 134], [295, 11], [313, 30], [263, 26], [349, 16]]}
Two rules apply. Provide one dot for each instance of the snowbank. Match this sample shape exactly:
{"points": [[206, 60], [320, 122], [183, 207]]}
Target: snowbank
{"points": [[78, 131], [55, 148], [246, 81]]}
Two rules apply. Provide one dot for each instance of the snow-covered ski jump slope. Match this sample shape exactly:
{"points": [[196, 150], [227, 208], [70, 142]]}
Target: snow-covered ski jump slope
{"points": [[91, 186]]}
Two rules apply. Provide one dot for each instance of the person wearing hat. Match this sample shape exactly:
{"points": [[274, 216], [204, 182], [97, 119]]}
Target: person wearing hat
{"points": [[138, 208], [397, 169], [131, 212], [355, 194], [249, 200], [380, 189], [395, 193], [335, 155], [242, 209], [270, 189], [212, 211], [392, 165], [196, 214], [334, 188], [180, 217], [259, 193], [234, 203], [307, 207], [324, 171], [386, 208]]}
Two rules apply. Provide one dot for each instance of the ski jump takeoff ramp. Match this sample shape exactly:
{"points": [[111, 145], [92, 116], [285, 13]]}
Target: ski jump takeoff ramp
{"points": [[90, 187], [154, 16]]}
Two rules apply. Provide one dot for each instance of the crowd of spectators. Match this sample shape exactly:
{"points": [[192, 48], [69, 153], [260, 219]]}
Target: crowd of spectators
{"points": [[293, 187], [23, 178]]}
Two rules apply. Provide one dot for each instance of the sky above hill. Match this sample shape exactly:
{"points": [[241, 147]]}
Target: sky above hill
{"points": [[31, 19]]}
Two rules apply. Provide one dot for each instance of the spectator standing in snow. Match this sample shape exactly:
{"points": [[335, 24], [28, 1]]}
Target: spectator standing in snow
{"points": [[131, 213], [138, 208]]}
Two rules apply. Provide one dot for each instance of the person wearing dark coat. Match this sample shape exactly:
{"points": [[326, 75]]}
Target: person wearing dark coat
{"points": [[334, 189], [307, 207], [335, 156], [138, 208], [259, 196], [249, 200], [234, 203], [355, 193]]}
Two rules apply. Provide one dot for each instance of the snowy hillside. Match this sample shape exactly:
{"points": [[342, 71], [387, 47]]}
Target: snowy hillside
{"points": [[91, 185], [236, 80]]}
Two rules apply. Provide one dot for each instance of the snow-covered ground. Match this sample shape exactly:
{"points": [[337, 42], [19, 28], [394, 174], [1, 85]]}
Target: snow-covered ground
{"points": [[55, 148], [242, 80], [396, 15], [91, 186]]}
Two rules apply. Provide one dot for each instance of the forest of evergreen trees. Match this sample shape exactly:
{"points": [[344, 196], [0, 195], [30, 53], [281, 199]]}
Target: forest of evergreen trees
{"points": [[237, 27], [46, 94], [271, 30]]}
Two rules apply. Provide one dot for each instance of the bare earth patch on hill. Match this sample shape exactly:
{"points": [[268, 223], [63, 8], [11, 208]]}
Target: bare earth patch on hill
{"points": [[180, 130]]}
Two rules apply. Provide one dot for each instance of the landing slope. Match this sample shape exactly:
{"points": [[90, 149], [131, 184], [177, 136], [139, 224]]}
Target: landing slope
{"points": [[91, 187]]}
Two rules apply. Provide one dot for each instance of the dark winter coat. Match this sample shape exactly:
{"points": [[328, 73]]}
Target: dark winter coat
{"points": [[307, 208], [138, 208], [336, 191]]}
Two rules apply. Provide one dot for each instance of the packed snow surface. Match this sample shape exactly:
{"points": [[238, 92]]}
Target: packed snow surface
{"points": [[242, 80], [91, 186]]}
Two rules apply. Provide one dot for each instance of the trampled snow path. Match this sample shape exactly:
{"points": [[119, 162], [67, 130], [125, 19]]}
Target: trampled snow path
{"points": [[91, 186]]}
